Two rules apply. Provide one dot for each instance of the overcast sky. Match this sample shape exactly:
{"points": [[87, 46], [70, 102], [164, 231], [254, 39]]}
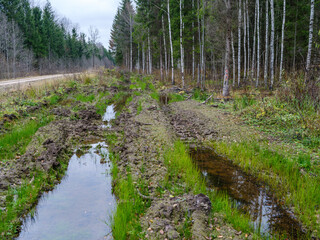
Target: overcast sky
{"points": [[86, 13]]}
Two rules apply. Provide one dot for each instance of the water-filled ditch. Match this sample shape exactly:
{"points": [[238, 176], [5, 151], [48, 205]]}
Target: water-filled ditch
{"points": [[81, 206], [269, 217]]}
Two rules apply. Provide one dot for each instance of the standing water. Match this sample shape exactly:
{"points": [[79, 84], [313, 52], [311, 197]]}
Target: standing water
{"points": [[268, 216], [81, 206], [109, 115]]}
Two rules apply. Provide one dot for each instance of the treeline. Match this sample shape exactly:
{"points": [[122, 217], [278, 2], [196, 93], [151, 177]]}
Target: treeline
{"points": [[35, 40], [240, 41]]}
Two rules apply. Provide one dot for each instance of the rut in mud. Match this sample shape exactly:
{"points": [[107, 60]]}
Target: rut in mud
{"points": [[267, 213], [79, 207]]}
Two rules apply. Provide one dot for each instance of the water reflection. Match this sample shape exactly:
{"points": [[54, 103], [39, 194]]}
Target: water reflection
{"points": [[267, 214], [109, 115], [80, 206]]}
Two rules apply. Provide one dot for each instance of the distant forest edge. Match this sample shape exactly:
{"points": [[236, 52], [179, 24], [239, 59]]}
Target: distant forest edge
{"points": [[33, 40], [257, 42]]}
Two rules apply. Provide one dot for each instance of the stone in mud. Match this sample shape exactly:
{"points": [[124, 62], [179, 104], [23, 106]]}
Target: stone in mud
{"points": [[202, 202], [166, 211], [173, 234]]}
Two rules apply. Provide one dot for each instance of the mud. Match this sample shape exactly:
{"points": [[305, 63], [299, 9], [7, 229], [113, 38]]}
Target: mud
{"points": [[46, 149], [80, 206], [142, 148], [190, 126], [251, 196]]}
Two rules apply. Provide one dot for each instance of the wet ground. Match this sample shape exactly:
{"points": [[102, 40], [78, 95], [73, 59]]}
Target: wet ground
{"points": [[80, 207], [267, 214]]}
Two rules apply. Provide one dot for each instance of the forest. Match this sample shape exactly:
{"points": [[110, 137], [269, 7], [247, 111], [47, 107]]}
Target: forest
{"points": [[34, 40], [200, 121], [245, 42]]}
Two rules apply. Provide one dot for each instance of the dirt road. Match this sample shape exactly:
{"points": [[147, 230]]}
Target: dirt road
{"points": [[16, 84]]}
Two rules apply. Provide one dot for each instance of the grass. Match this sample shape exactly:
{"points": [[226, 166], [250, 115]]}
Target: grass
{"points": [[304, 189], [199, 95], [19, 201], [155, 96], [292, 122], [85, 98], [139, 108], [174, 97], [181, 168], [16, 141], [125, 222]]}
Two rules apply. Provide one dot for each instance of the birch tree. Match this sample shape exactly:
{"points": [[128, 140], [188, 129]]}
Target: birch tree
{"points": [[171, 44], [244, 41], [233, 61], [254, 42], [310, 36], [226, 91], [200, 47], [193, 47], [164, 46], [181, 45], [266, 57], [258, 47], [282, 39], [272, 43], [239, 42]]}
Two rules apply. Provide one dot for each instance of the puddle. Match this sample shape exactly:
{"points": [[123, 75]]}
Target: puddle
{"points": [[80, 206], [268, 216], [109, 115]]}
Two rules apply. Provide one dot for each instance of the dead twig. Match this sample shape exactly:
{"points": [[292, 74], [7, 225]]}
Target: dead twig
{"points": [[208, 99]]}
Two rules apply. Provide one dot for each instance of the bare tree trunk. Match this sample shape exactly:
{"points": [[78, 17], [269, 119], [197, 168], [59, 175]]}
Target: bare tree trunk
{"points": [[203, 69], [171, 45], [244, 42], [165, 47], [131, 60], [258, 48], [295, 42], [149, 52], [226, 91], [248, 37], [272, 44], [226, 69], [139, 58], [213, 66], [282, 39], [266, 59], [7, 49], [200, 48], [143, 58], [254, 43], [193, 48], [181, 45], [310, 36], [234, 62], [239, 45], [161, 64]]}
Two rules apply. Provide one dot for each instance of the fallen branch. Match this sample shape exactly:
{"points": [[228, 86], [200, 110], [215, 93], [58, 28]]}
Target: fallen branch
{"points": [[208, 99], [189, 97]]}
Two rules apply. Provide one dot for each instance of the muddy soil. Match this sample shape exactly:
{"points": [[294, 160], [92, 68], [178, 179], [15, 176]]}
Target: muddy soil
{"points": [[48, 147], [141, 148]]}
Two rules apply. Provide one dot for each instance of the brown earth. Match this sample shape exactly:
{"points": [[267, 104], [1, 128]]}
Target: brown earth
{"points": [[141, 148], [46, 149]]}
